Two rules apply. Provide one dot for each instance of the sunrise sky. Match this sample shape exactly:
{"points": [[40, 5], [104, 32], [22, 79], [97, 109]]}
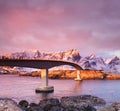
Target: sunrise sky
{"points": [[91, 26]]}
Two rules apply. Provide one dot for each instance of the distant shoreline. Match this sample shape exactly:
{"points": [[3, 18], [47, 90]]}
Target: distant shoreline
{"points": [[72, 74]]}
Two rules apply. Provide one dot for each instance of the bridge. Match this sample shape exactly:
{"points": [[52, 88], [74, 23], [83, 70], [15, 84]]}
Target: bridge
{"points": [[43, 64]]}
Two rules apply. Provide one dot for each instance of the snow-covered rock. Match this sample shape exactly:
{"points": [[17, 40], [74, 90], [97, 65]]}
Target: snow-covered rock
{"points": [[32, 54], [88, 62], [71, 55], [92, 62], [114, 65]]}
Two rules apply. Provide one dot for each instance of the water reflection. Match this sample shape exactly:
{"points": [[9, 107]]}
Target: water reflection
{"points": [[77, 88], [60, 91]]}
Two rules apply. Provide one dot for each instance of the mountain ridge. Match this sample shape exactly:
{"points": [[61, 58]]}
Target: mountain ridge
{"points": [[89, 62]]}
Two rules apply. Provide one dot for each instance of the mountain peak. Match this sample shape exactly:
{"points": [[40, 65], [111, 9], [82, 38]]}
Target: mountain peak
{"points": [[71, 51], [89, 62], [116, 58], [91, 56]]}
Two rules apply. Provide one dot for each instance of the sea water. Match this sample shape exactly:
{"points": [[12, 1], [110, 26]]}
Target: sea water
{"points": [[23, 87]]}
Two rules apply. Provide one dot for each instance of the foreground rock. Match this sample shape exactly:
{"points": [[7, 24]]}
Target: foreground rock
{"points": [[51, 104], [8, 105], [83, 99], [113, 107], [82, 102], [71, 103], [63, 105]]}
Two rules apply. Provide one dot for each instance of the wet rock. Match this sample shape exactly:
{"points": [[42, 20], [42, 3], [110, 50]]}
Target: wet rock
{"points": [[51, 101], [82, 102], [33, 105], [80, 107], [23, 104], [71, 103], [34, 108], [47, 104], [116, 105], [82, 99], [7, 104], [57, 108], [72, 109], [108, 108], [113, 107]]}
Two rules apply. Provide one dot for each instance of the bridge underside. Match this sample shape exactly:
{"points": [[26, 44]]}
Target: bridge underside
{"points": [[44, 65], [40, 64]]}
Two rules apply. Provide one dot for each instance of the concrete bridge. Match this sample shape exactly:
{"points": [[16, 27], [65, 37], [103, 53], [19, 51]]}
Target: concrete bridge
{"points": [[43, 64]]}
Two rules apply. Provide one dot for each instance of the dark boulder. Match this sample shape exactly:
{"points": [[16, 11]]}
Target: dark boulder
{"points": [[23, 104], [83, 99], [47, 104], [81, 103], [57, 108], [34, 107]]}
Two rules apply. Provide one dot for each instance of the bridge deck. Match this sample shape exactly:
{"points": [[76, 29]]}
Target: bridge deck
{"points": [[40, 63]]}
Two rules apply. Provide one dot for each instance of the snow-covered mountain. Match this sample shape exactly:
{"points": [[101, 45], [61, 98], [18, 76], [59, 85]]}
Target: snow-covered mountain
{"points": [[70, 55], [114, 65], [88, 62], [92, 62], [32, 54]]}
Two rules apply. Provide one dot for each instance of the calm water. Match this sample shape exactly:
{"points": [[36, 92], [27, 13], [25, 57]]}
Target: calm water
{"points": [[17, 88]]}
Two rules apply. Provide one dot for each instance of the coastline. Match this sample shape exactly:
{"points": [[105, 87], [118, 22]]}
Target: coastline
{"points": [[67, 103], [72, 74]]}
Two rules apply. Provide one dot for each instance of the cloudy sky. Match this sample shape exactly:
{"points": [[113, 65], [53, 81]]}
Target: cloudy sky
{"points": [[91, 26]]}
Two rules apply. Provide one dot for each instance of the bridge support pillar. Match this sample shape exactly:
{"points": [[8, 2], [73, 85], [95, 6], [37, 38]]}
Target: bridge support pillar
{"points": [[44, 82], [78, 78], [44, 77]]}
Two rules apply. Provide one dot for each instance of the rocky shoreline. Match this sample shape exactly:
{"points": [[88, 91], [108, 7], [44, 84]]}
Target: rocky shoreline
{"points": [[69, 103], [72, 74], [69, 74]]}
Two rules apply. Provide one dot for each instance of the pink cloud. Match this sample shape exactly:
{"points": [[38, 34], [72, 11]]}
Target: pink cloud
{"points": [[89, 26]]}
